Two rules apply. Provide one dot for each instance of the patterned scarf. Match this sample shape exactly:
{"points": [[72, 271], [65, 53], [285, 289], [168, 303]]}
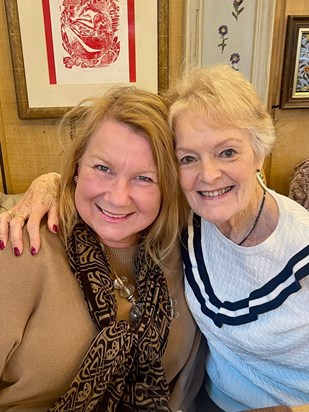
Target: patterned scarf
{"points": [[122, 369]]}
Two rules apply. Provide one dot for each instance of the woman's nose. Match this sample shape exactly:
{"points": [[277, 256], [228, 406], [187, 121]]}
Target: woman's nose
{"points": [[210, 171], [118, 193]]}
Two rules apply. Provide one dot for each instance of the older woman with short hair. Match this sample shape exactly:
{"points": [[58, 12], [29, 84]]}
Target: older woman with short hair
{"points": [[245, 250]]}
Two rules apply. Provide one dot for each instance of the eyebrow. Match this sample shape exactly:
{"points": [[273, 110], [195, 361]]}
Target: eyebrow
{"points": [[229, 140]]}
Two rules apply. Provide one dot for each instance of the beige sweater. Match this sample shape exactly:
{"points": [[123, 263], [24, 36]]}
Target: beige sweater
{"points": [[45, 330]]}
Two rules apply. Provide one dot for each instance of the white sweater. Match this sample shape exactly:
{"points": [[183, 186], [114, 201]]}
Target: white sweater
{"points": [[252, 304]]}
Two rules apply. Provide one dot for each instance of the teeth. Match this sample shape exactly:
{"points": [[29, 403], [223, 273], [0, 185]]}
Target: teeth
{"points": [[215, 193], [112, 215]]}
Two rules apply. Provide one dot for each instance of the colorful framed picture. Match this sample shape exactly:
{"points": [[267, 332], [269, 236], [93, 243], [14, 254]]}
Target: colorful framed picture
{"points": [[295, 76], [66, 50]]}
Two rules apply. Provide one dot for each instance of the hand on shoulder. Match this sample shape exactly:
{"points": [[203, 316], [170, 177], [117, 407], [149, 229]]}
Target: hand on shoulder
{"points": [[41, 198]]}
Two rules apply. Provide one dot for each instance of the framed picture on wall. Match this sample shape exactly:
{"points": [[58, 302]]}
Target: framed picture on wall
{"points": [[64, 51], [295, 76]]}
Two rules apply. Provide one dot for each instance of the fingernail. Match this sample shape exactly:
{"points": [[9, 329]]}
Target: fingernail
{"points": [[16, 251], [55, 228], [1, 245], [33, 251]]}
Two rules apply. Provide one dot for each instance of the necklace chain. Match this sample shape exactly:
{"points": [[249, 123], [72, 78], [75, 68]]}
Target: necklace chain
{"points": [[256, 220]]}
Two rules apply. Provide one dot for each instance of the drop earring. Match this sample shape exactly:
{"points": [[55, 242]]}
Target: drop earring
{"points": [[260, 175], [261, 178], [75, 179]]}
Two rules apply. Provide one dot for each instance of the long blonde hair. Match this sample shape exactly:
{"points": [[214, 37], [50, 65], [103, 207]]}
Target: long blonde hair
{"points": [[147, 114]]}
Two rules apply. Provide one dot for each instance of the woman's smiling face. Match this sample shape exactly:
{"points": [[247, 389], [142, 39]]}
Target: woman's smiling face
{"points": [[117, 191], [217, 168]]}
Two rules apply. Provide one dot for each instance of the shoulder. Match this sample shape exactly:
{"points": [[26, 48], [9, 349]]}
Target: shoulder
{"points": [[24, 276], [289, 205], [173, 265], [29, 283], [50, 245], [293, 216]]}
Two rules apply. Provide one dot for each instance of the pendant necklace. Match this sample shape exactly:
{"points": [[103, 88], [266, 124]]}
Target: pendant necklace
{"points": [[126, 290], [256, 220]]}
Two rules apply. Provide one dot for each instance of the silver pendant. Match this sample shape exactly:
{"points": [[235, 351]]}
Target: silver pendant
{"points": [[171, 307], [136, 311], [125, 288]]}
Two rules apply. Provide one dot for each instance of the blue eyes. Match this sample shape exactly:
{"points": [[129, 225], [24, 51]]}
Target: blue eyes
{"points": [[144, 179], [228, 153], [102, 168], [186, 160], [225, 154], [106, 169]]}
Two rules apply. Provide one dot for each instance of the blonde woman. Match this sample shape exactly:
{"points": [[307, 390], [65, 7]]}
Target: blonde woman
{"points": [[97, 320]]}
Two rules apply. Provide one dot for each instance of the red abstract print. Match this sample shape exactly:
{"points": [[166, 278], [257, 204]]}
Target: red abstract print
{"points": [[88, 31], [90, 35]]}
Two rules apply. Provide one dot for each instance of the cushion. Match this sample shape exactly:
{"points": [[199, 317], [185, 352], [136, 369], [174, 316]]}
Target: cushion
{"points": [[299, 185]]}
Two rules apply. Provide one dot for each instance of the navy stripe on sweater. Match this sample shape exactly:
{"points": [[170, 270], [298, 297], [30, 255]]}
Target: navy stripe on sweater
{"points": [[268, 297]]}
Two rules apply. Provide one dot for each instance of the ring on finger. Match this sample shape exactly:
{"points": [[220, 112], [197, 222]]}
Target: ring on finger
{"points": [[20, 216], [12, 214]]}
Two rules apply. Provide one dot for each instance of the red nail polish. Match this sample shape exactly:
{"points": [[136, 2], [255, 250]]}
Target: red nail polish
{"points": [[55, 228], [16, 251], [1, 245], [33, 251]]}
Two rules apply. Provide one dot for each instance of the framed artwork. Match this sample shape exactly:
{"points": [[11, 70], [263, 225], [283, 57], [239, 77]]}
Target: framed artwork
{"points": [[295, 76], [66, 50]]}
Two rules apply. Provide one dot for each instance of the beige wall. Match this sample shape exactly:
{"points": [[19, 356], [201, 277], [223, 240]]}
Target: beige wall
{"points": [[31, 147], [292, 125]]}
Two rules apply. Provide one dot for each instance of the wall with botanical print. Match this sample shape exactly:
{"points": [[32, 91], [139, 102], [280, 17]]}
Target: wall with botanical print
{"points": [[228, 33]]}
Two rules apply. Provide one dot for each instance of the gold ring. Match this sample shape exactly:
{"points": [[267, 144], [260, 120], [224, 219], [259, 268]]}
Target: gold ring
{"points": [[11, 213]]}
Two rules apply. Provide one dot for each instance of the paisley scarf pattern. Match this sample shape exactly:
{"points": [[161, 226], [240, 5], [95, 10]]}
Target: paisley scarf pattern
{"points": [[122, 369]]}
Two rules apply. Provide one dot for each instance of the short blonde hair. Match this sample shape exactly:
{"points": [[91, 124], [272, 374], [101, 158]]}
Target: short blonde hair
{"points": [[146, 114], [224, 98]]}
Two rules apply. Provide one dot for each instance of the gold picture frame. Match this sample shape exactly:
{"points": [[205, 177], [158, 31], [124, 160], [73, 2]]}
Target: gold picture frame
{"points": [[26, 110], [295, 76]]}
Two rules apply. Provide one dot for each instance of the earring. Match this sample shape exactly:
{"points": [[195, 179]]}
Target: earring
{"points": [[75, 179], [260, 175], [261, 178]]}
